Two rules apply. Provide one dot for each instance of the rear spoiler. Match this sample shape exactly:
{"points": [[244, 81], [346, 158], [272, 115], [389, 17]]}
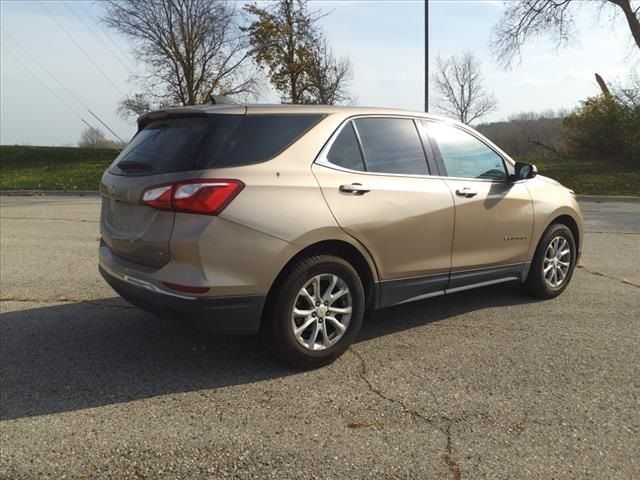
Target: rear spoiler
{"points": [[182, 112]]}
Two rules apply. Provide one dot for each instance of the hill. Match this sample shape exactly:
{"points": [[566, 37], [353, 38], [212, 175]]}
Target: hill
{"points": [[68, 168], [52, 168]]}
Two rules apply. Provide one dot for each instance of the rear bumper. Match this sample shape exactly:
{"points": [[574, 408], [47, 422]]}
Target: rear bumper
{"points": [[232, 314]]}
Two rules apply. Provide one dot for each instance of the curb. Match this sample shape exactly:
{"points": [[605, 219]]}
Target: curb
{"points": [[605, 198], [46, 193]]}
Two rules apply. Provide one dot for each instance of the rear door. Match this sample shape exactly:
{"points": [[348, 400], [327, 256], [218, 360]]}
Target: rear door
{"points": [[166, 150], [493, 215], [375, 178]]}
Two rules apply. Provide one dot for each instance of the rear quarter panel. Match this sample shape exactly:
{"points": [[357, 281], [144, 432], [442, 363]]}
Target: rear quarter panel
{"points": [[280, 211]]}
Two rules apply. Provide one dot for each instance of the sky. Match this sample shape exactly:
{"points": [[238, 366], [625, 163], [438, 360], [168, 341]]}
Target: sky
{"points": [[383, 39]]}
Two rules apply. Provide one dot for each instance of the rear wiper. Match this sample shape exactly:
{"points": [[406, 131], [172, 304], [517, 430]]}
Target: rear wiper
{"points": [[134, 167]]}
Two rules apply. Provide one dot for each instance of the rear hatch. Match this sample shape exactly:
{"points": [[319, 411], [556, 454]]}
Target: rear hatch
{"points": [[168, 147], [177, 145]]}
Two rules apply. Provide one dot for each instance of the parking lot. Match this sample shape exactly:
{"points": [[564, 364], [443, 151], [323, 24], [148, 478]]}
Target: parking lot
{"points": [[488, 383]]}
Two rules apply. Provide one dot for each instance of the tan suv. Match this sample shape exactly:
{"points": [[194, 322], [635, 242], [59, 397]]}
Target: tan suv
{"points": [[294, 221]]}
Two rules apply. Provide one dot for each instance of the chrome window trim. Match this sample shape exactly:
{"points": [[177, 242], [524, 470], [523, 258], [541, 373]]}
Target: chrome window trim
{"points": [[321, 158]]}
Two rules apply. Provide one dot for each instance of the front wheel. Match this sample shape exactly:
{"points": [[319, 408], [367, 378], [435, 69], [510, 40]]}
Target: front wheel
{"points": [[553, 263], [315, 312]]}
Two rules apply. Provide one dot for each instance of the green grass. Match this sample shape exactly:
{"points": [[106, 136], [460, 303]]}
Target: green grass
{"points": [[66, 168], [591, 178], [52, 168]]}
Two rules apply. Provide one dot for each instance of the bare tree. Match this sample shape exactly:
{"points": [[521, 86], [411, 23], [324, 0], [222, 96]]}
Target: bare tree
{"points": [[629, 92], [93, 138], [135, 105], [190, 48], [329, 76], [460, 93], [539, 130], [527, 19], [528, 133]]}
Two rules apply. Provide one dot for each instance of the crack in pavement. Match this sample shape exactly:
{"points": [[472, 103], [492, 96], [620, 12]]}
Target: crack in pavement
{"points": [[599, 273], [449, 456], [612, 232], [379, 393]]}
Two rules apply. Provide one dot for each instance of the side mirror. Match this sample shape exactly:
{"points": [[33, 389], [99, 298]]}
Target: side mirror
{"points": [[524, 171]]}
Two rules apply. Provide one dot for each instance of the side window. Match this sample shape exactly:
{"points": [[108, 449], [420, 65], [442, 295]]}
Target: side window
{"points": [[345, 151], [392, 145], [464, 155], [257, 138]]}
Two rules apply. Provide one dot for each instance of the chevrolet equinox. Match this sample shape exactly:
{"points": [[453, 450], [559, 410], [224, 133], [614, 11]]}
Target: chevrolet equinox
{"points": [[296, 221]]}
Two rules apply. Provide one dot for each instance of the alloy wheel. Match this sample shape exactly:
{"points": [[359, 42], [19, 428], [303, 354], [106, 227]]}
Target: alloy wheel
{"points": [[557, 261], [321, 312]]}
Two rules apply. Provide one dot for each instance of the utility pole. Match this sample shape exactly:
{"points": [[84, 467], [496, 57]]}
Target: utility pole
{"points": [[426, 55]]}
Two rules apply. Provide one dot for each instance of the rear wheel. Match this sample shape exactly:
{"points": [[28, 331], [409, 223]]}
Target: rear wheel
{"points": [[315, 312], [553, 263]]}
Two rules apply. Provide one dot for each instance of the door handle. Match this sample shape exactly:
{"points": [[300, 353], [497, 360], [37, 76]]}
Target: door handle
{"points": [[354, 188], [466, 192]]}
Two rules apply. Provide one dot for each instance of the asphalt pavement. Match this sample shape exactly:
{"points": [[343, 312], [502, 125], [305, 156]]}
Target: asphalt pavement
{"points": [[489, 383]]}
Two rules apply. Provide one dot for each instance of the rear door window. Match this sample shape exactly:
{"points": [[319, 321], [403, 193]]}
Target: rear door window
{"points": [[345, 151], [392, 145]]}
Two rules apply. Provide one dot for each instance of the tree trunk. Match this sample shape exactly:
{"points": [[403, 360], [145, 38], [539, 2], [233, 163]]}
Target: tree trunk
{"points": [[634, 22], [602, 85], [294, 90]]}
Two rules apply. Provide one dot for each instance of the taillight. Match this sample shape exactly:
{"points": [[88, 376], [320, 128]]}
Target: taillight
{"points": [[202, 196], [158, 197]]}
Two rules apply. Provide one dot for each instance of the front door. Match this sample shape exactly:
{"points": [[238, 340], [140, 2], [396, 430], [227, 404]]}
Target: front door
{"points": [[493, 215]]}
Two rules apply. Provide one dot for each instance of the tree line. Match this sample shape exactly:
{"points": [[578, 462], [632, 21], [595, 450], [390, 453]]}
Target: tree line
{"points": [[191, 49], [604, 127], [603, 130]]}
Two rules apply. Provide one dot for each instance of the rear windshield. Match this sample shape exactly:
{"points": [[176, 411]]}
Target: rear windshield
{"points": [[164, 146], [196, 143]]}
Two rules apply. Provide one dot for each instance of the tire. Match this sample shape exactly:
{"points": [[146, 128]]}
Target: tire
{"points": [[306, 350], [537, 283]]}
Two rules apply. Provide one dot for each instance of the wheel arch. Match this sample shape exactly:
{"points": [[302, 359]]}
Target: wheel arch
{"points": [[563, 218], [364, 266], [571, 224]]}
